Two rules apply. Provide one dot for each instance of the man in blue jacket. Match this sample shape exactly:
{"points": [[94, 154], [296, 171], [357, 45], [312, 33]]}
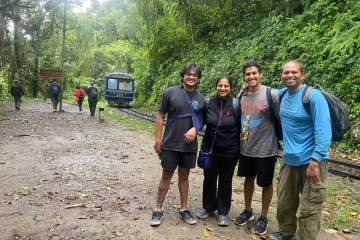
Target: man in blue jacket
{"points": [[303, 173], [54, 91]]}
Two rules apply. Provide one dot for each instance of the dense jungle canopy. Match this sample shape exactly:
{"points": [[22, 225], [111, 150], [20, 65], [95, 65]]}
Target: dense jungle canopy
{"points": [[155, 38]]}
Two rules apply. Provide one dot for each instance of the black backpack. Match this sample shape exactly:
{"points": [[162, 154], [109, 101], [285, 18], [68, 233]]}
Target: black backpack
{"points": [[17, 90], [339, 114], [274, 119], [93, 93], [81, 95]]}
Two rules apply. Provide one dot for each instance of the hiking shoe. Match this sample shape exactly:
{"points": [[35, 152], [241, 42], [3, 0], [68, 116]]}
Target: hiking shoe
{"points": [[156, 218], [261, 225], [223, 220], [202, 213], [245, 216], [280, 236], [187, 216], [54, 110]]}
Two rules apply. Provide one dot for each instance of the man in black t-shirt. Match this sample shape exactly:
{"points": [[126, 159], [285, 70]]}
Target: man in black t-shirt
{"points": [[17, 91], [91, 92], [178, 148]]}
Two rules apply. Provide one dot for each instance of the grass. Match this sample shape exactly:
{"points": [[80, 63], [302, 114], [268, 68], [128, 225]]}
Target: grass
{"points": [[132, 124]]}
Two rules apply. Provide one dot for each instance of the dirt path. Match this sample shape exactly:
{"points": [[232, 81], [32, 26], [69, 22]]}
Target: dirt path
{"points": [[52, 160]]}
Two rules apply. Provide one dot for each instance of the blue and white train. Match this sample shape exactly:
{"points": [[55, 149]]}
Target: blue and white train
{"points": [[119, 88]]}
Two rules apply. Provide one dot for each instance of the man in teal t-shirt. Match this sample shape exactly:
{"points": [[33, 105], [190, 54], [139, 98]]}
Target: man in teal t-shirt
{"points": [[304, 168]]}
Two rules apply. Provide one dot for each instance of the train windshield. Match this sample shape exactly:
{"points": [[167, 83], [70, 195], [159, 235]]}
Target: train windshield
{"points": [[125, 85], [112, 83]]}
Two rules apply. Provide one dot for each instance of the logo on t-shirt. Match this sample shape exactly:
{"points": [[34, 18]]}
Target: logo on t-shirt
{"points": [[194, 104]]}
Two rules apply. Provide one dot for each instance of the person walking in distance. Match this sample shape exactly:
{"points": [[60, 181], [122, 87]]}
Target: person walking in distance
{"points": [[178, 147], [304, 168], [54, 91], [17, 91], [92, 98], [79, 97], [258, 144]]}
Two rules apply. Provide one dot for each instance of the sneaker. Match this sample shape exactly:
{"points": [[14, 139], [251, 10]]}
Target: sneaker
{"points": [[261, 225], [54, 110], [223, 220], [80, 111], [156, 218], [187, 216], [245, 216], [280, 236], [202, 213]]}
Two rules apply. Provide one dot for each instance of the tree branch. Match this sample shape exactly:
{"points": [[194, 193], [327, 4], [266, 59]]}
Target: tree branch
{"points": [[9, 4], [22, 6]]}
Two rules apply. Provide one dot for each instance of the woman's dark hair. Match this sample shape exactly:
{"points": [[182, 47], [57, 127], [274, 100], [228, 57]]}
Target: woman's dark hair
{"points": [[78, 86], [187, 69], [226, 77], [251, 63]]}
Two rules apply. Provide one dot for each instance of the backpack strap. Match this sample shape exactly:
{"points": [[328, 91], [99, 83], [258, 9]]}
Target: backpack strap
{"points": [[270, 103], [236, 104], [305, 98], [181, 116], [205, 109], [282, 95], [206, 105]]}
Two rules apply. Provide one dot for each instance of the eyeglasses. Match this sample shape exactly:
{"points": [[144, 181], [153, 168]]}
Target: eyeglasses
{"points": [[221, 86], [190, 74]]}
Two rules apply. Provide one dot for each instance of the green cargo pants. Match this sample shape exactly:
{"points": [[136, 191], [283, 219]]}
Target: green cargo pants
{"points": [[292, 183], [17, 100]]}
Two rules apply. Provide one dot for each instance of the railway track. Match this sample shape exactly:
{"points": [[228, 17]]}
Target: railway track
{"points": [[337, 167], [145, 116]]}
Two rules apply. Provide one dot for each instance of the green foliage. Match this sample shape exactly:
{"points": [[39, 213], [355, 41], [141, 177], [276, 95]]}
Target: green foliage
{"points": [[155, 38]]}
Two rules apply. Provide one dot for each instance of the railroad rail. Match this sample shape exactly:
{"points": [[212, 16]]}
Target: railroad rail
{"points": [[145, 116], [337, 167]]}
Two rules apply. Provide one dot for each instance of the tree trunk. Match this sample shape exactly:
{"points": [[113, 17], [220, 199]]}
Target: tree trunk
{"points": [[36, 73], [2, 30], [192, 26], [16, 37]]}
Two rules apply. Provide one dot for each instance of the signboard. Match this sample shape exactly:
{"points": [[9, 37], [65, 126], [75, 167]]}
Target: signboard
{"points": [[50, 74]]}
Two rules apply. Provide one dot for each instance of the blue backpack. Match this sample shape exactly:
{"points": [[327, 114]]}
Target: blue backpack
{"points": [[55, 90]]}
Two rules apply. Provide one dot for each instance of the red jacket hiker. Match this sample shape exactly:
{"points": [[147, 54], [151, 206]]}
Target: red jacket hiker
{"points": [[76, 94]]}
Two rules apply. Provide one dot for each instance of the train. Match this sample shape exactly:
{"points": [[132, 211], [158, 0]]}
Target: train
{"points": [[119, 88]]}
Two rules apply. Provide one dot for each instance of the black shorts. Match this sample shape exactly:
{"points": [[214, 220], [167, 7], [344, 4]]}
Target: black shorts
{"points": [[262, 168], [171, 159]]}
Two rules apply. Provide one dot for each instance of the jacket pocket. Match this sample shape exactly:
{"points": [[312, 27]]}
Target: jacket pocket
{"points": [[317, 192]]}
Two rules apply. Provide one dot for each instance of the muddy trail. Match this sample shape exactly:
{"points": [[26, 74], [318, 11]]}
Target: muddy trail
{"points": [[68, 176]]}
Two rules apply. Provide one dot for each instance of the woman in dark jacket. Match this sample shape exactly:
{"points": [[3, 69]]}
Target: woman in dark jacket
{"points": [[225, 154]]}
